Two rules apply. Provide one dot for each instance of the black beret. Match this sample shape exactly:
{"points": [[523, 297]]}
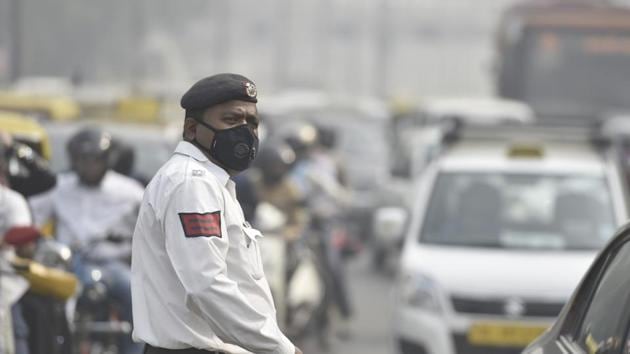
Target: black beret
{"points": [[217, 89]]}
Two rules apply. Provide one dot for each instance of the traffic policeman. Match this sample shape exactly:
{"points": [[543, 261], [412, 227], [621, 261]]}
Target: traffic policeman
{"points": [[197, 279]]}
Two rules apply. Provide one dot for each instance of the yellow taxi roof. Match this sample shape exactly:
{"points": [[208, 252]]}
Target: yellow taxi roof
{"points": [[23, 127], [56, 108]]}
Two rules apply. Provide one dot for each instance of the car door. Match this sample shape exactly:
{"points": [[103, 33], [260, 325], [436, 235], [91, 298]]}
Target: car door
{"points": [[597, 318], [600, 325]]}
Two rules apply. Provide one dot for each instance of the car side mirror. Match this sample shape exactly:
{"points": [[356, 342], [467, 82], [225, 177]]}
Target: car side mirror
{"points": [[389, 225]]}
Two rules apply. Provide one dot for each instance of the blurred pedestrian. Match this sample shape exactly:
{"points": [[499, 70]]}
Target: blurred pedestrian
{"points": [[198, 282]]}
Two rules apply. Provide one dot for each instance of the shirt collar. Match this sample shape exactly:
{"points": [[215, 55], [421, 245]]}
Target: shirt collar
{"points": [[188, 149]]}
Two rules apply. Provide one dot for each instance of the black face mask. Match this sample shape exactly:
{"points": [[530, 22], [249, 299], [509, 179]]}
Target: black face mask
{"points": [[234, 148]]}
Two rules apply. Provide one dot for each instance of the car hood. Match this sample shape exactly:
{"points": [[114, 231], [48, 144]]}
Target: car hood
{"points": [[482, 272]]}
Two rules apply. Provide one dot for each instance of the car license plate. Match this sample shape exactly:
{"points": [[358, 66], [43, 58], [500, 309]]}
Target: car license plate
{"points": [[503, 334]]}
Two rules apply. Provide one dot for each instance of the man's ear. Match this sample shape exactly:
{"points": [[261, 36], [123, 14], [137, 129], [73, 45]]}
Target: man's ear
{"points": [[190, 128]]}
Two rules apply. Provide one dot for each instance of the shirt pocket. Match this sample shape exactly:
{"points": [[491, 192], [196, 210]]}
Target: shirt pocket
{"points": [[252, 252]]}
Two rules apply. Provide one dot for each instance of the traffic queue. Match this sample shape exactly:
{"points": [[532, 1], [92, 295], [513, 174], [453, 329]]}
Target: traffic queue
{"points": [[225, 223]]}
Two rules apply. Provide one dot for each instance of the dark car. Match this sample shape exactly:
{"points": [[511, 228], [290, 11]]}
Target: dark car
{"points": [[597, 318]]}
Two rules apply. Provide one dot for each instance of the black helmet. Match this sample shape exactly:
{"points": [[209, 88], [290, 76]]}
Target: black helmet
{"points": [[302, 139], [276, 154], [90, 142], [275, 161], [327, 136], [124, 157]]}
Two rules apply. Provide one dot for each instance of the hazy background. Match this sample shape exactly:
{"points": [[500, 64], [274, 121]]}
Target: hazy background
{"points": [[368, 47], [388, 49]]}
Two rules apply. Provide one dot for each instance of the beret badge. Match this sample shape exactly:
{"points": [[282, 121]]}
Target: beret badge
{"points": [[250, 89]]}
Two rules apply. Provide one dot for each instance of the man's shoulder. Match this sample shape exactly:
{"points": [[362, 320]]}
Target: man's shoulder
{"points": [[65, 181], [12, 197], [181, 169], [67, 178], [120, 181], [15, 209]]}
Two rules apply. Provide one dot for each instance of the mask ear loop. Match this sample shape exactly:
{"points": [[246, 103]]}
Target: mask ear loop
{"points": [[206, 125], [198, 143]]}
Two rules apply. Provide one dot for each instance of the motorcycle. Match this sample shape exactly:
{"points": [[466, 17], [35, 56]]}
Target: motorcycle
{"points": [[44, 263], [98, 327], [12, 287], [295, 276], [273, 250]]}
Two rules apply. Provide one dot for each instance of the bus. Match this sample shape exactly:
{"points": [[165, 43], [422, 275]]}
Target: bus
{"points": [[566, 59]]}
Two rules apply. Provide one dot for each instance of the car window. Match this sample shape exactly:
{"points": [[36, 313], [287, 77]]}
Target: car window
{"points": [[605, 319], [525, 211], [626, 348]]}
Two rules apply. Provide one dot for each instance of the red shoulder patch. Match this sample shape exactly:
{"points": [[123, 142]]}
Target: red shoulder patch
{"points": [[201, 224]]}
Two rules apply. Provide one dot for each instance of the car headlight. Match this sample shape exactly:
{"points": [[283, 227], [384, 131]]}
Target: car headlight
{"points": [[418, 290]]}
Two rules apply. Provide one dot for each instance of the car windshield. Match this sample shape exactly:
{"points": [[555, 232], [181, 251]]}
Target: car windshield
{"points": [[502, 210]]}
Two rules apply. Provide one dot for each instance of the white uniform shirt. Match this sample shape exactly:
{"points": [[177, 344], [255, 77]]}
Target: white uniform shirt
{"points": [[197, 276], [82, 213], [13, 210]]}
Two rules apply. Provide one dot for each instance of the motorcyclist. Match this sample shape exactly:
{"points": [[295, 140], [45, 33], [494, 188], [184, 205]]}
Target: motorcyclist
{"points": [[319, 180], [326, 155], [330, 163], [274, 186], [34, 175], [94, 209], [316, 174], [13, 212]]}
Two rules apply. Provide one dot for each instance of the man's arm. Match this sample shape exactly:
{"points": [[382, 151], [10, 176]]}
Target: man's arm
{"points": [[18, 211], [197, 244], [42, 206]]}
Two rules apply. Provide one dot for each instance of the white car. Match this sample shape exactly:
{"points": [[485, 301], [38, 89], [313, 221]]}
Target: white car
{"points": [[500, 235]]}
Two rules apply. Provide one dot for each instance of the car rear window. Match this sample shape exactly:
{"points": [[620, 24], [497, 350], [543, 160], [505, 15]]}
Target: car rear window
{"points": [[532, 211]]}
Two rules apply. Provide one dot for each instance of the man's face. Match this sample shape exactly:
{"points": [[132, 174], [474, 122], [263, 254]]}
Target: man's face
{"points": [[223, 116], [91, 169], [228, 115]]}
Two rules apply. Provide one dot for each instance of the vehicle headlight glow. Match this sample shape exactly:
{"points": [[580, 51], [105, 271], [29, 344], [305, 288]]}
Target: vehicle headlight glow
{"points": [[418, 290]]}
